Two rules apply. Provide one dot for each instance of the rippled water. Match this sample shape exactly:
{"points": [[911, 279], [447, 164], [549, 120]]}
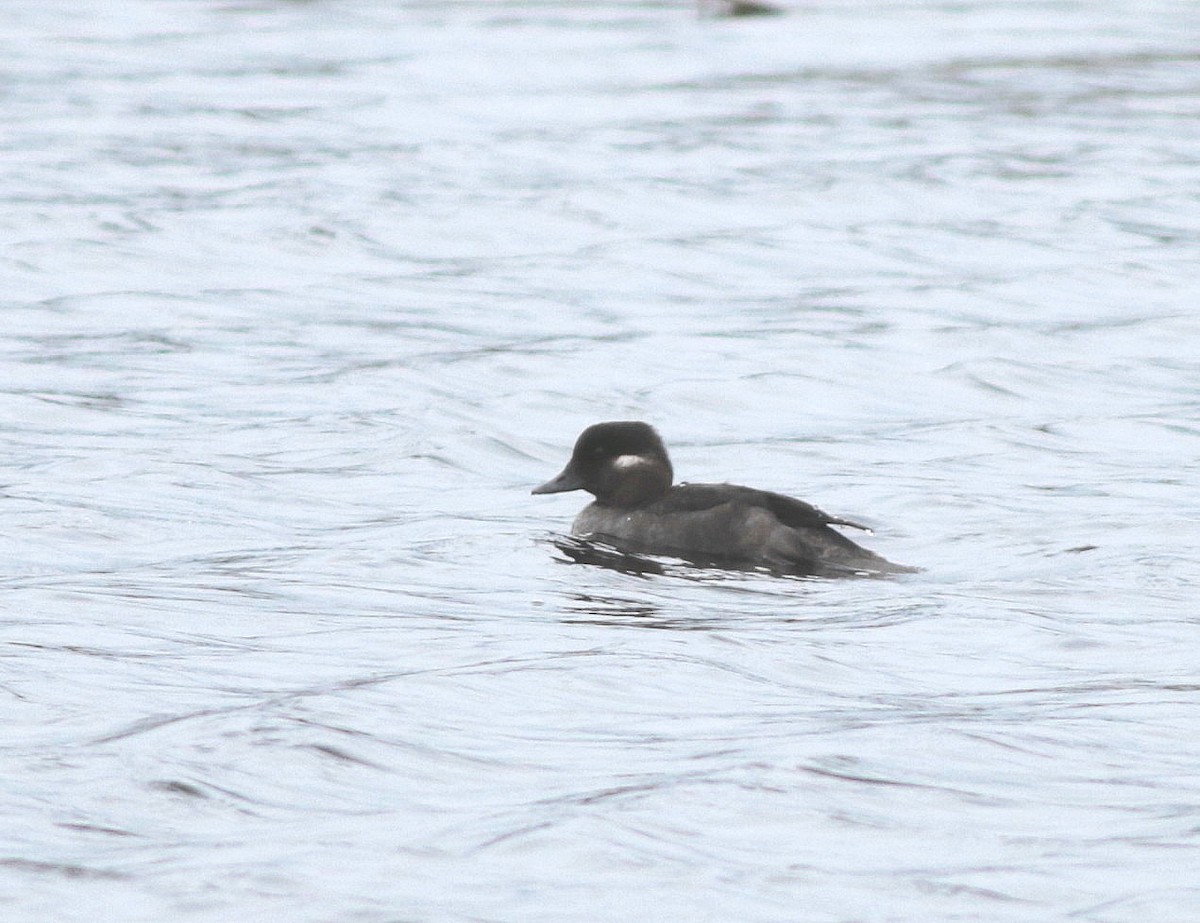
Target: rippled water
{"points": [[301, 299]]}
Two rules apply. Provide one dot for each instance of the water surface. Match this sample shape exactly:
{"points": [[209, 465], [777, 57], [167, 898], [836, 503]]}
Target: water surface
{"points": [[301, 299]]}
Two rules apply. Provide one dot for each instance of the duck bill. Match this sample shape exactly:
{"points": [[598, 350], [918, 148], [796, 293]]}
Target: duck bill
{"points": [[568, 480]]}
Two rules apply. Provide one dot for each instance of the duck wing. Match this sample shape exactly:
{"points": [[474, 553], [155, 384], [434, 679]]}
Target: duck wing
{"points": [[796, 514], [793, 512]]}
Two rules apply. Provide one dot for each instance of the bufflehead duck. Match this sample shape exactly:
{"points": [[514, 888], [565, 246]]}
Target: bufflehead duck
{"points": [[624, 465]]}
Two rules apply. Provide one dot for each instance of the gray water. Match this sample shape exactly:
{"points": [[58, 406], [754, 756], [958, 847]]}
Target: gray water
{"points": [[300, 300]]}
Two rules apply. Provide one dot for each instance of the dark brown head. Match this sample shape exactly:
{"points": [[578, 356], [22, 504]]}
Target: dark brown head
{"points": [[623, 464]]}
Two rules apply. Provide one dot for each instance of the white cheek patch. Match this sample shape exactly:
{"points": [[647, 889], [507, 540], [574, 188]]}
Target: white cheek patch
{"points": [[630, 461]]}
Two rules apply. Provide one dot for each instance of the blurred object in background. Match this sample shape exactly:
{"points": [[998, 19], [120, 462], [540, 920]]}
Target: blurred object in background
{"points": [[725, 8]]}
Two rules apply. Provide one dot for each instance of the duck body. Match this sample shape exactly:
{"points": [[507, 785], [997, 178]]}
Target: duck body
{"points": [[625, 466]]}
